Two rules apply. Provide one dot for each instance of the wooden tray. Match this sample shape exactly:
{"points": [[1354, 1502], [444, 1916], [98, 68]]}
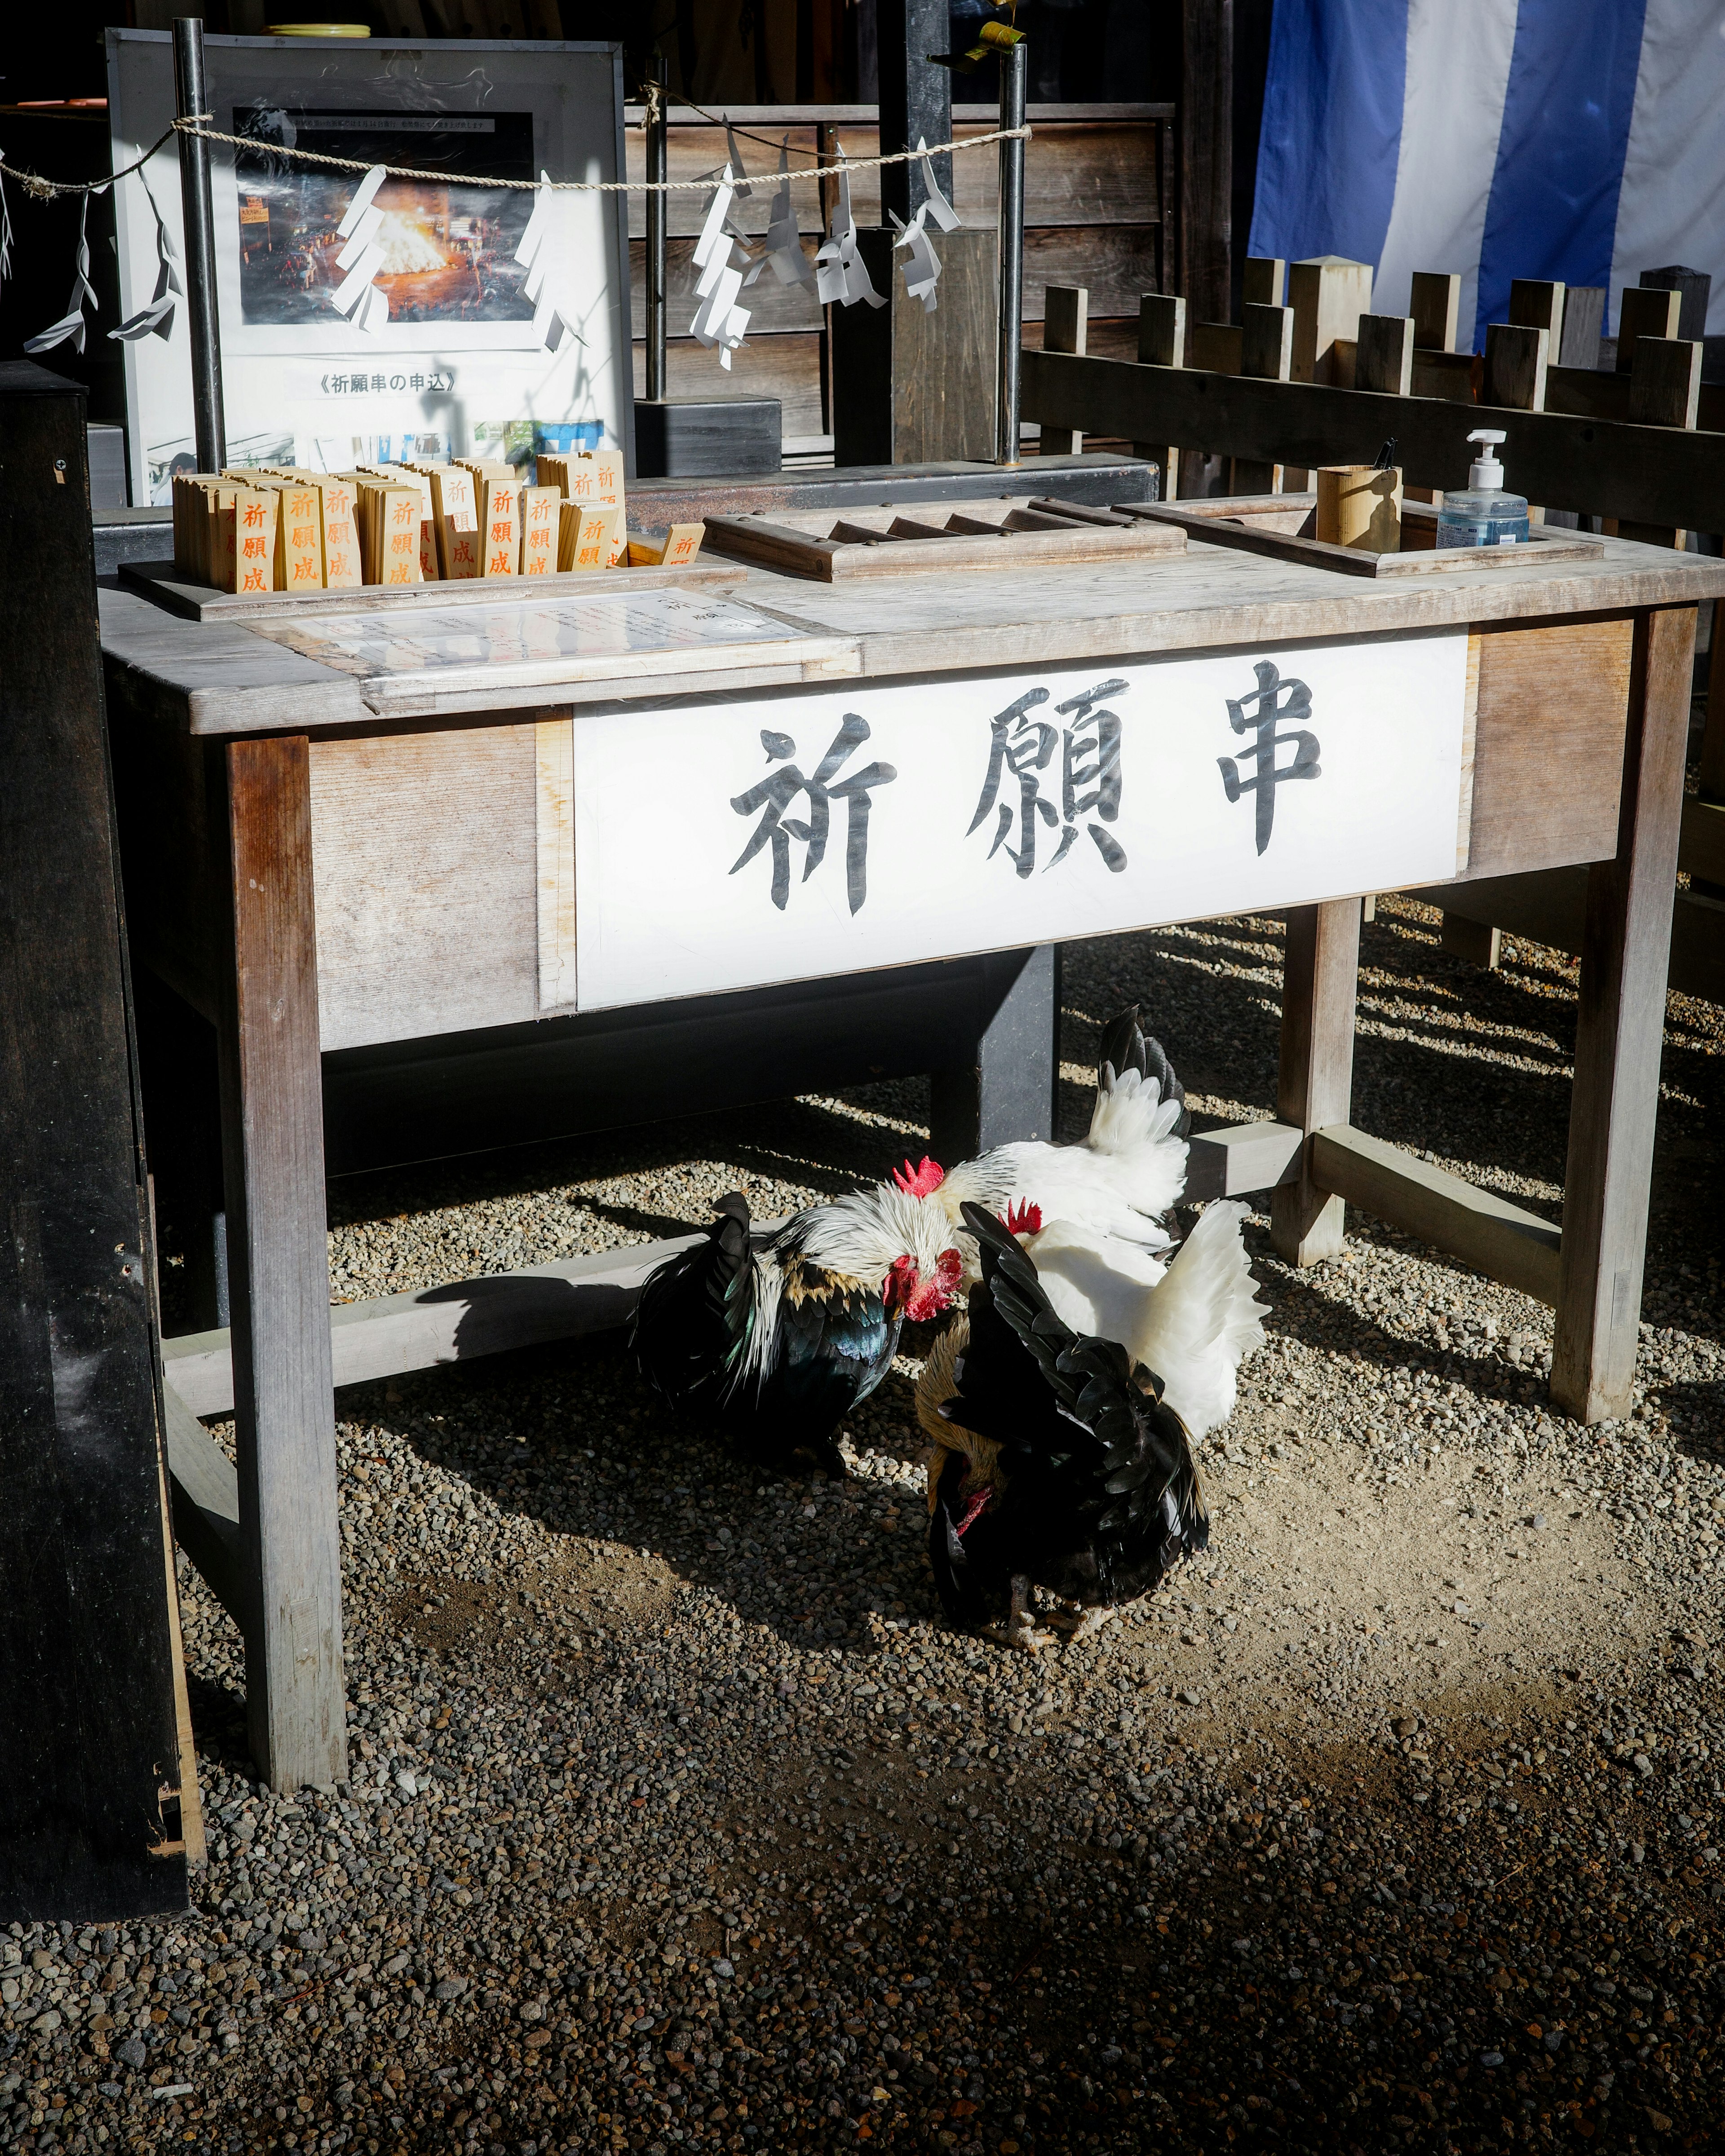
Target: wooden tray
{"points": [[1281, 525], [1013, 531], [159, 581]]}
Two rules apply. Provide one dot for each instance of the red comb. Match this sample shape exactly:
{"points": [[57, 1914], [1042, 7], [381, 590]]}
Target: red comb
{"points": [[920, 1182], [1023, 1217]]}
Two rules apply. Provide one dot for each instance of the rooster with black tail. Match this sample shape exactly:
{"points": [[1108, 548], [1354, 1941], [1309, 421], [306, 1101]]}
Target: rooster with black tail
{"points": [[779, 1333], [1066, 1469]]}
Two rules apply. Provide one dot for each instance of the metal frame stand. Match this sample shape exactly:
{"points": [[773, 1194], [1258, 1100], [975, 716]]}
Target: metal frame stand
{"points": [[1012, 256], [209, 426], [658, 165]]}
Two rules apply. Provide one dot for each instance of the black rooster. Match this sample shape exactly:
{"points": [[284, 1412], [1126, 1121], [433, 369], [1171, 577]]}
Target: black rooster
{"points": [[779, 1332], [1070, 1474]]}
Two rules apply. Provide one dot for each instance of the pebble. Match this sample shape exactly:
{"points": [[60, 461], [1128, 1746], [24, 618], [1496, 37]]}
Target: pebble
{"points": [[677, 1819]]}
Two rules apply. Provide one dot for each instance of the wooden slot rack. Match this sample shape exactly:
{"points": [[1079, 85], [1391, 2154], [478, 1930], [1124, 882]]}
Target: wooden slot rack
{"points": [[1281, 525], [1016, 532]]}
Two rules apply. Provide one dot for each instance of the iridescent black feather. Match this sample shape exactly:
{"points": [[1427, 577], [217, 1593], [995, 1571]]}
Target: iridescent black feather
{"points": [[694, 1323], [1096, 1493]]}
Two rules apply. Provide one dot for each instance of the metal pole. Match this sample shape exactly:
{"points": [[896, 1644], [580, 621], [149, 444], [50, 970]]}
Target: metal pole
{"points": [[657, 167], [826, 148], [1012, 255], [208, 422]]}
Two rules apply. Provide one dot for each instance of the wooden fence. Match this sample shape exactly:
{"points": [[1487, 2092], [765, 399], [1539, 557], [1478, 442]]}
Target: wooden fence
{"points": [[1321, 381]]}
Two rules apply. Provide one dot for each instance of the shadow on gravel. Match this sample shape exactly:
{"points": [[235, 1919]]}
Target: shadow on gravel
{"points": [[592, 1455]]}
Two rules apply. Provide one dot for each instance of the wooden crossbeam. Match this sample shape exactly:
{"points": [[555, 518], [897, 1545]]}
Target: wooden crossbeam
{"points": [[1700, 849], [1549, 906], [393, 1333], [203, 1487], [1482, 1230], [1241, 1158], [1651, 475]]}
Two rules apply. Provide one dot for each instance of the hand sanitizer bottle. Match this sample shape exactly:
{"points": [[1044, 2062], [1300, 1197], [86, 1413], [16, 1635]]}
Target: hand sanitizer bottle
{"points": [[1482, 515]]}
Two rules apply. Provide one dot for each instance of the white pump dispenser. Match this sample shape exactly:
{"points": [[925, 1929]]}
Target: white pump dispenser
{"points": [[1482, 515], [1486, 470]]}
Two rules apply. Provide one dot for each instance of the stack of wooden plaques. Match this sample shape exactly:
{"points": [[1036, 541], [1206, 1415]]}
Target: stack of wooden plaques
{"points": [[279, 528], [254, 535], [1017, 531]]}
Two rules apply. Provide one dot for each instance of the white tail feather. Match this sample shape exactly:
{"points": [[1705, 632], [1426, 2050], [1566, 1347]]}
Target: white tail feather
{"points": [[1131, 1168], [1197, 1325]]}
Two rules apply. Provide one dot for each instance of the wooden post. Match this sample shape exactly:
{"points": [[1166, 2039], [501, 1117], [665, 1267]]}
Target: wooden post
{"points": [[1328, 295], [1619, 1036], [1642, 311], [1583, 325], [1206, 160], [1162, 342], [1712, 775], [1384, 357], [1694, 289], [1008, 1093], [915, 387], [272, 1132], [1665, 391], [1517, 360], [1473, 940], [88, 1825], [1265, 281], [1065, 323], [1537, 303], [1315, 1081], [1435, 304], [1266, 350], [826, 148], [916, 99]]}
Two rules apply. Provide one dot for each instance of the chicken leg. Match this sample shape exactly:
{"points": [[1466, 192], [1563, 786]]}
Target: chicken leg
{"points": [[1020, 1630], [1085, 1625]]}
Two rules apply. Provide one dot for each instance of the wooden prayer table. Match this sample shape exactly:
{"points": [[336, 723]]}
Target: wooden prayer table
{"points": [[472, 820]]}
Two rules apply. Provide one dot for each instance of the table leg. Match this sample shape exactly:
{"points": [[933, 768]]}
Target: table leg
{"points": [[272, 1133], [1008, 1093], [1315, 1082], [1619, 1032]]}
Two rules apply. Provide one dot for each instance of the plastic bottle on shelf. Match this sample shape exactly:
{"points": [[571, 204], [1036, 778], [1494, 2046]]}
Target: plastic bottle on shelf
{"points": [[1481, 514]]}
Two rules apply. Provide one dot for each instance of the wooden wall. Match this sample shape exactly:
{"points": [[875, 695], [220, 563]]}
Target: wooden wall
{"points": [[1093, 216]]}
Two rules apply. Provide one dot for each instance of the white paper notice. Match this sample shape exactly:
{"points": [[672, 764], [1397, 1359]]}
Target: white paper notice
{"points": [[804, 833]]}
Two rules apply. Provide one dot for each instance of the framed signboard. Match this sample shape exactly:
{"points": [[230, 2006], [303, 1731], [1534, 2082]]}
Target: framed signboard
{"points": [[459, 347], [798, 833]]}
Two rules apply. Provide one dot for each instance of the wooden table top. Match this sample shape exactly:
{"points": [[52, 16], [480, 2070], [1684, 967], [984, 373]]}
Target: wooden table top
{"points": [[490, 654]]}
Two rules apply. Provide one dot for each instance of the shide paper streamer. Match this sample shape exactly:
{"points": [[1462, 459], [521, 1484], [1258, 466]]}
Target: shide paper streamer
{"points": [[357, 296], [719, 320], [157, 318], [71, 324], [543, 251], [922, 266], [841, 276], [784, 249]]}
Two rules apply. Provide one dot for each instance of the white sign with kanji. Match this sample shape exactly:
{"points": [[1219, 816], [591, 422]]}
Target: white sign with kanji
{"points": [[788, 835]]}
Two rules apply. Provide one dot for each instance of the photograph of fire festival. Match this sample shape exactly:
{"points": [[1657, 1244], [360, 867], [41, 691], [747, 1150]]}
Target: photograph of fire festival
{"points": [[448, 251]]}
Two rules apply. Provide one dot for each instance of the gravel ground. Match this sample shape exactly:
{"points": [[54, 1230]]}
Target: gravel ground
{"points": [[677, 1819]]}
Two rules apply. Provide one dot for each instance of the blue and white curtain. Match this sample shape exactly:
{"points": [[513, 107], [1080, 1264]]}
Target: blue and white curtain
{"points": [[1577, 139]]}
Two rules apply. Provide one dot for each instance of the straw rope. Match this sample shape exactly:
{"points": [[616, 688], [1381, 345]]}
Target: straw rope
{"points": [[33, 184]]}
